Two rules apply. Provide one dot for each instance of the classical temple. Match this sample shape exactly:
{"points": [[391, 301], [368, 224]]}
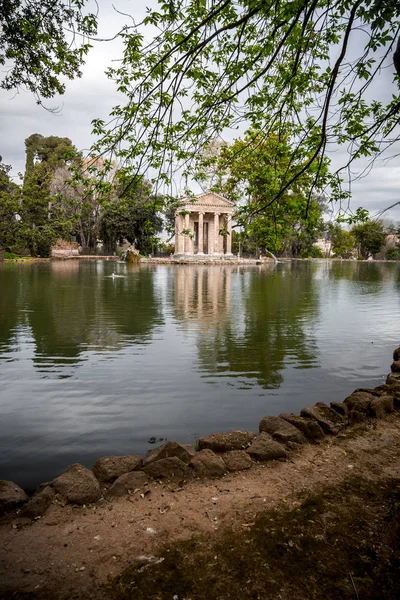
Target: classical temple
{"points": [[206, 227]]}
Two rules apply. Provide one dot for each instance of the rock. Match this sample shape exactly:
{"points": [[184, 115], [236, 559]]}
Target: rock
{"points": [[168, 468], [11, 495], [282, 431], [265, 448], [224, 442], [128, 482], [341, 408], [309, 427], [395, 366], [237, 460], [207, 464], [77, 485], [356, 417], [109, 468], [396, 354], [387, 388], [294, 446], [329, 420], [393, 379], [359, 401], [390, 390], [169, 450], [131, 255], [191, 449], [38, 504], [380, 406]]}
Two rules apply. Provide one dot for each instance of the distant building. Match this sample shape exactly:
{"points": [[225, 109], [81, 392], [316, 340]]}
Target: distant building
{"points": [[64, 249], [325, 246], [392, 241]]}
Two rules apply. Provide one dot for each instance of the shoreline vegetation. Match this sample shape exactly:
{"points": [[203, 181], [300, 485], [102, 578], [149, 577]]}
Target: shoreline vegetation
{"points": [[191, 260], [351, 447]]}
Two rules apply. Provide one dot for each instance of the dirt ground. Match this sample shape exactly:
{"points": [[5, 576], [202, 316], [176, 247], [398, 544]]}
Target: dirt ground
{"points": [[132, 547]]}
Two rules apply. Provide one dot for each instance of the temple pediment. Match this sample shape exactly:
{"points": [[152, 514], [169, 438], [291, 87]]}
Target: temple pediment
{"points": [[209, 200]]}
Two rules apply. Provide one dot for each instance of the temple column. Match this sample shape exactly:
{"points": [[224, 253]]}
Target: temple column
{"points": [[222, 237], [187, 239], [191, 238], [229, 236], [176, 234], [216, 234], [179, 239], [200, 249]]}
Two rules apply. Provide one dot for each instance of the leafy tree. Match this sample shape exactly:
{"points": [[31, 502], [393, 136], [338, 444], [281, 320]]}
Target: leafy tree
{"points": [[254, 170], [135, 216], [393, 254], [26, 224], [31, 218], [42, 42], [312, 252], [78, 200], [9, 209], [270, 64], [343, 242], [52, 150], [370, 237], [45, 219]]}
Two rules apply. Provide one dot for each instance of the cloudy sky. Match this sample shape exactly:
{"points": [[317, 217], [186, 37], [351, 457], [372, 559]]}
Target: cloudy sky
{"points": [[94, 96]]}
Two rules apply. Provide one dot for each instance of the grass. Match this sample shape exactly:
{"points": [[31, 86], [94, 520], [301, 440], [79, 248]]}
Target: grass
{"points": [[343, 543]]}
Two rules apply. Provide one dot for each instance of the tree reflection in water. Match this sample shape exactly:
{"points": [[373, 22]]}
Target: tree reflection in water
{"points": [[70, 307], [250, 322]]}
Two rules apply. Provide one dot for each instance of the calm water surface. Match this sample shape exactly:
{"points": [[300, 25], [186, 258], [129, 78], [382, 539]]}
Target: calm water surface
{"points": [[93, 365]]}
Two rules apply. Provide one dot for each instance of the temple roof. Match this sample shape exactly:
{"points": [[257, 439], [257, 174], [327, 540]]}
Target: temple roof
{"points": [[207, 200]]}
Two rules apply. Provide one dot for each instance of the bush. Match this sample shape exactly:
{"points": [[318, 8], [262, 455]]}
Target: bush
{"points": [[43, 247], [393, 254], [313, 252], [10, 255]]}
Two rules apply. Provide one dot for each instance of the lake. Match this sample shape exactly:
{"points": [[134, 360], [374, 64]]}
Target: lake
{"points": [[92, 365]]}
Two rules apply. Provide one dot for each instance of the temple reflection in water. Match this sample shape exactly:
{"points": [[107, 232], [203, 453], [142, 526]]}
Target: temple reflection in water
{"points": [[203, 293]]}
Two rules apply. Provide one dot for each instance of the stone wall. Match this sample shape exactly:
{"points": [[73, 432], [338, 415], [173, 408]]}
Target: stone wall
{"points": [[64, 249], [212, 457]]}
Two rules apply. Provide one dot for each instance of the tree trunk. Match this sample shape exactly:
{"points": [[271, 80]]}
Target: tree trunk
{"points": [[396, 58]]}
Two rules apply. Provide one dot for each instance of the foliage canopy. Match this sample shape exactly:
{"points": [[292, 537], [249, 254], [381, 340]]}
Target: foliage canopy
{"points": [[41, 41], [51, 204], [301, 68], [251, 172], [370, 237]]}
